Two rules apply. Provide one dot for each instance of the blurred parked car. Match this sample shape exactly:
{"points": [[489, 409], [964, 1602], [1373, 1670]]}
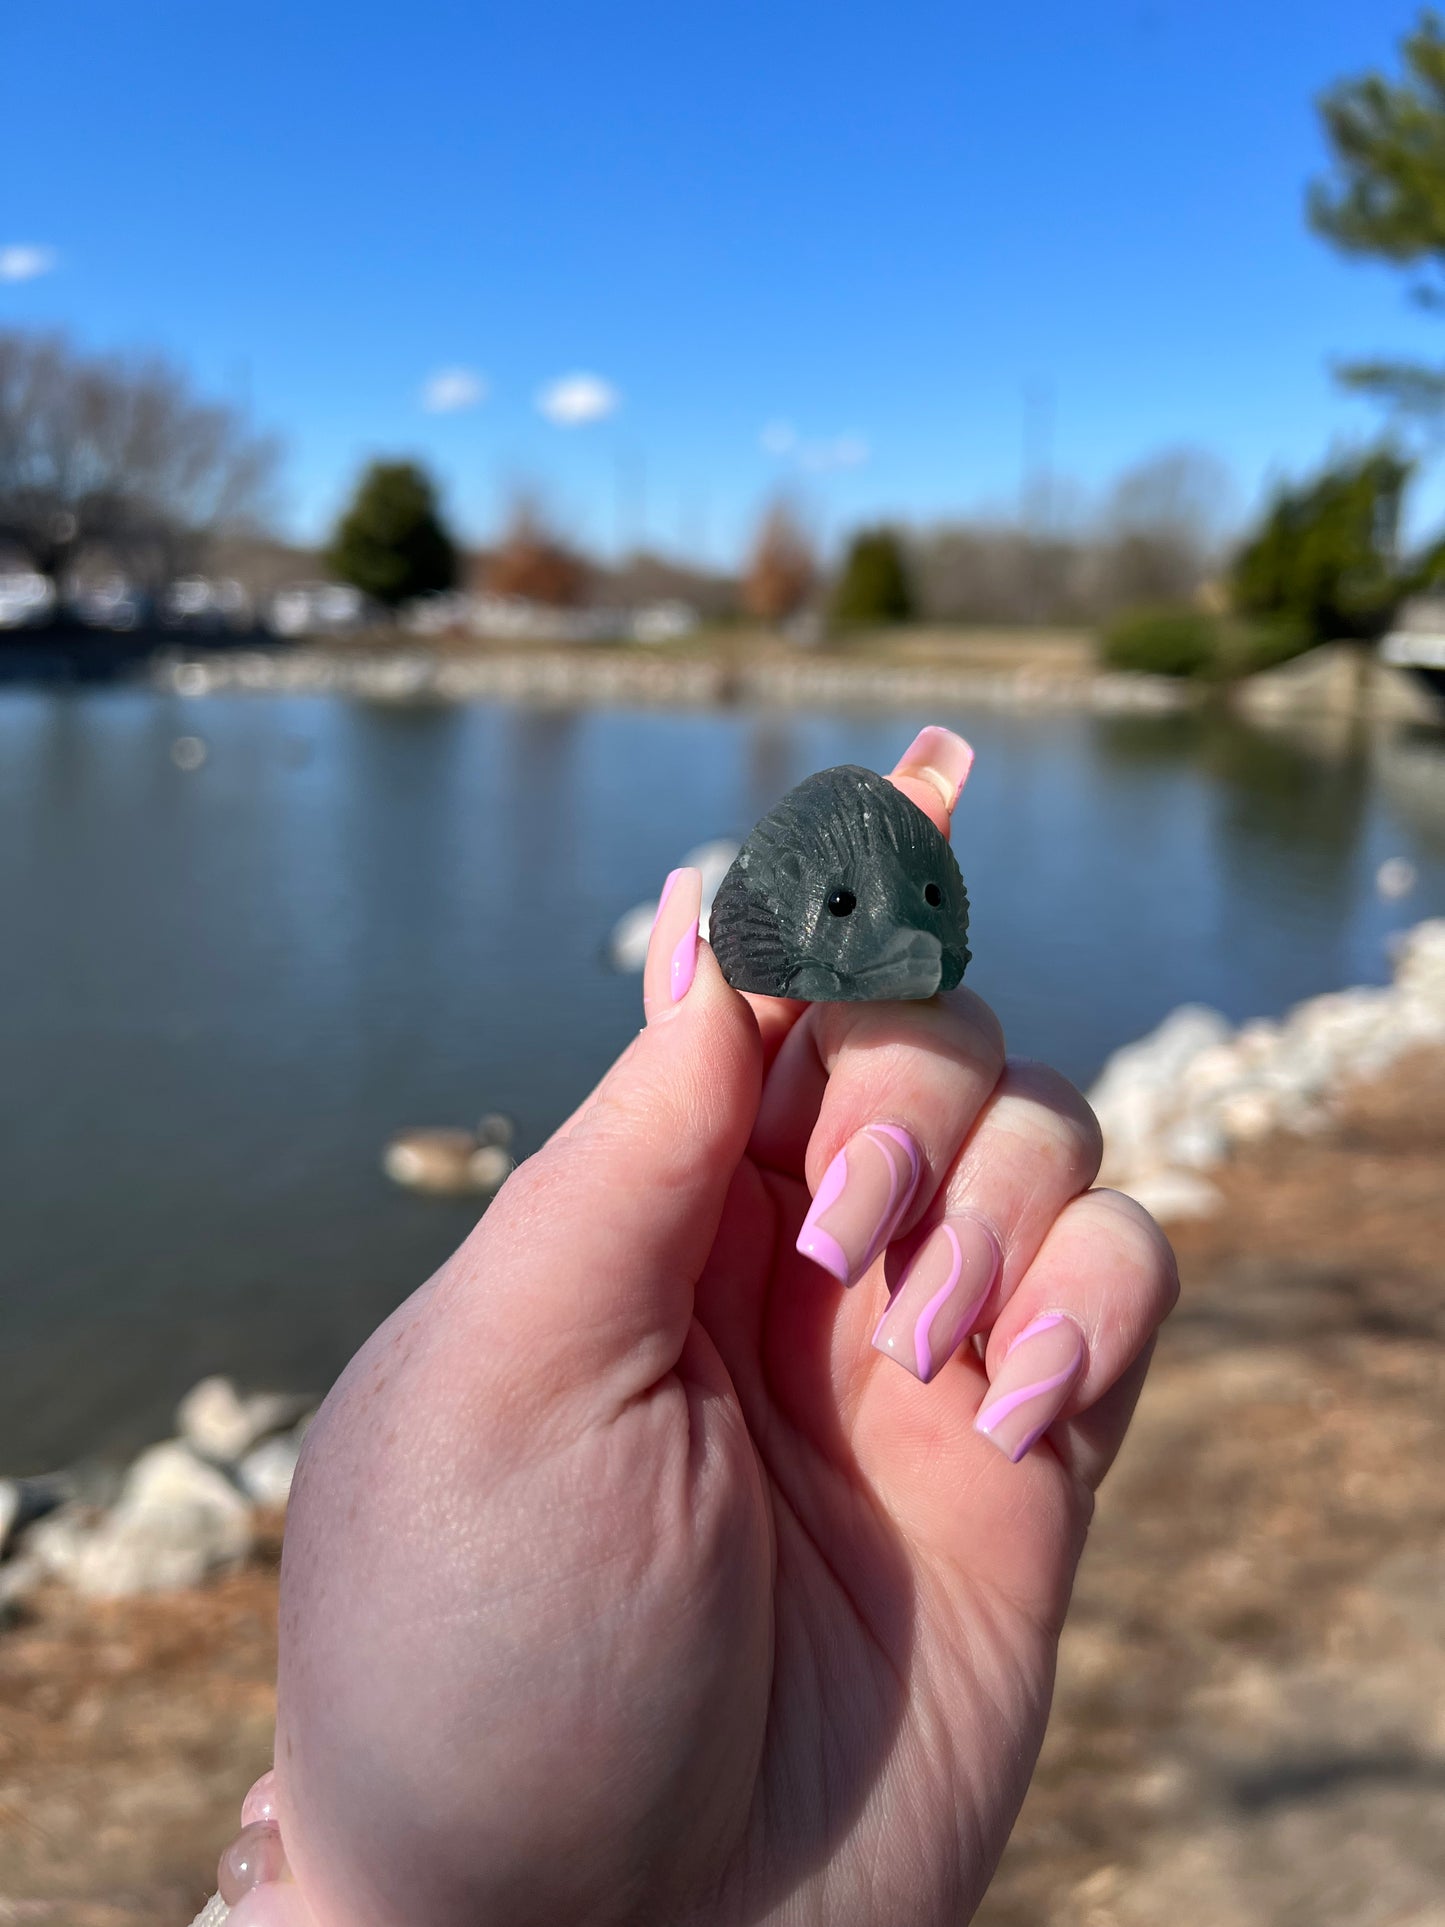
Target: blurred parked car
{"points": [[27, 599], [205, 607], [664, 622], [111, 602], [317, 608]]}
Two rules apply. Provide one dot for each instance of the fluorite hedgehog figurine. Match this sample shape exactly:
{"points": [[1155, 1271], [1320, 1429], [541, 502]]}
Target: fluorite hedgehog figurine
{"points": [[844, 893]]}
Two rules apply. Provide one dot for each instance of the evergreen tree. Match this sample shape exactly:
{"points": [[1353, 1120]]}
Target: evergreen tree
{"points": [[1325, 555], [391, 543], [1387, 197], [874, 584]]}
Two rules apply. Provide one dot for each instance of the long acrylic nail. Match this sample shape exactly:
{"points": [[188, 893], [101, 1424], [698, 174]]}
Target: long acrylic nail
{"points": [[1034, 1381], [941, 758], [260, 1802], [672, 948], [861, 1201], [940, 1297], [254, 1858]]}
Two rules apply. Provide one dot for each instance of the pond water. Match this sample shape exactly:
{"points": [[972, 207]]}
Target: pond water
{"points": [[222, 988]]}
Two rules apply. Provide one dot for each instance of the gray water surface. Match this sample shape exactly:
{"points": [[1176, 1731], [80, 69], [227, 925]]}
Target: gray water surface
{"points": [[223, 989]]}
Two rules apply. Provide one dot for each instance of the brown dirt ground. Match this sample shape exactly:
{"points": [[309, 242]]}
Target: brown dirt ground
{"points": [[1250, 1724]]}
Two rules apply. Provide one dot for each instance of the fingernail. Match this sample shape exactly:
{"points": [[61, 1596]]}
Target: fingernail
{"points": [[861, 1201], [1033, 1382], [942, 758], [254, 1859], [260, 1802], [672, 948], [941, 1295]]}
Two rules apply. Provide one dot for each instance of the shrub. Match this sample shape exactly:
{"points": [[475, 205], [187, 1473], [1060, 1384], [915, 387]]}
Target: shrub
{"points": [[874, 584], [1162, 642], [1247, 646]]}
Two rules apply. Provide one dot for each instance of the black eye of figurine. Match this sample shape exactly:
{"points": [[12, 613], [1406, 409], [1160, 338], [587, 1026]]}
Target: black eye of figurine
{"points": [[932, 894], [842, 903]]}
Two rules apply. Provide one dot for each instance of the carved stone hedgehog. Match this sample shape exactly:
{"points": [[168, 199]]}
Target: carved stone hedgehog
{"points": [[845, 892]]}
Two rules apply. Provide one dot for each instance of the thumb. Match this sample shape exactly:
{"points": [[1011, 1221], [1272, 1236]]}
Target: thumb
{"points": [[603, 1234]]}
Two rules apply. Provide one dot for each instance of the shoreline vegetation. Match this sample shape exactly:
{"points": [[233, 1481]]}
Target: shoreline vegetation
{"points": [[995, 669], [1219, 1659]]}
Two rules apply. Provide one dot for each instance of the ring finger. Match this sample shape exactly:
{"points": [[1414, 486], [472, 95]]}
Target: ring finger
{"points": [[1035, 1146]]}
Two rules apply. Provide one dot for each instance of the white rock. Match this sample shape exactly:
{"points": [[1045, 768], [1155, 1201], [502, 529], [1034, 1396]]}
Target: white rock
{"points": [[1171, 1045], [1173, 1103], [220, 1424], [1194, 1142], [19, 1578], [215, 1913], [1257, 1040], [178, 1519], [1246, 1116], [149, 1553], [1219, 1068], [170, 1475], [1137, 1093], [1171, 1195], [56, 1545], [266, 1472]]}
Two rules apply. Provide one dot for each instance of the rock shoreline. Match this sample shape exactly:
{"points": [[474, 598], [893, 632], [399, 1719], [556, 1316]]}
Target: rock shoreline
{"points": [[1180, 1102], [544, 676], [185, 1509]]}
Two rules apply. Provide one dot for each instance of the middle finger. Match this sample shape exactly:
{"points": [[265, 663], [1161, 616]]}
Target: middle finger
{"points": [[870, 1103]]}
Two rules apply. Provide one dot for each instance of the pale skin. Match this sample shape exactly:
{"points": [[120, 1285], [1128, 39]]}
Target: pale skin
{"points": [[625, 1580]]}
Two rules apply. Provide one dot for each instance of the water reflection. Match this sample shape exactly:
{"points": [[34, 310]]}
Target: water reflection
{"points": [[233, 982]]}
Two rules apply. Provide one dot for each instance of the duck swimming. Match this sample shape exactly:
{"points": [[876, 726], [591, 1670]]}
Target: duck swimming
{"points": [[846, 892]]}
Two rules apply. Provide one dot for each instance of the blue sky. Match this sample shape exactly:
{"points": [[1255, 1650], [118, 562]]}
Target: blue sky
{"points": [[899, 231]]}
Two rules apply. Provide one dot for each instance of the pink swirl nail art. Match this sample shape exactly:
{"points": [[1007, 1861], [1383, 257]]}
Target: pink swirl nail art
{"points": [[1038, 1372], [861, 1201], [940, 1297]]}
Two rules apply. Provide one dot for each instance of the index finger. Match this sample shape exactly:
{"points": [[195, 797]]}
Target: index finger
{"points": [[931, 772]]}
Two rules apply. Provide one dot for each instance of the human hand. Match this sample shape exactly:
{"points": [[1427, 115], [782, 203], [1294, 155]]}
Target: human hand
{"points": [[627, 1578]]}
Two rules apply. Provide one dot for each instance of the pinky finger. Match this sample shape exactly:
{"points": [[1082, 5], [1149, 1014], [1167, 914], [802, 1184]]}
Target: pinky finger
{"points": [[1068, 1353]]}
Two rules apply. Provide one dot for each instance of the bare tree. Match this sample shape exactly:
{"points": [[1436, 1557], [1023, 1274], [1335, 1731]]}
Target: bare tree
{"points": [[532, 561], [783, 571], [1162, 529], [996, 572], [117, 453]]}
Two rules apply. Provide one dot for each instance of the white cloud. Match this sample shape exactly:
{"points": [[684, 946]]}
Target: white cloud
{"points": [[851, 451], [779, 438], [451, 389], [576, 399], [23, 262], [843, 451]]}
